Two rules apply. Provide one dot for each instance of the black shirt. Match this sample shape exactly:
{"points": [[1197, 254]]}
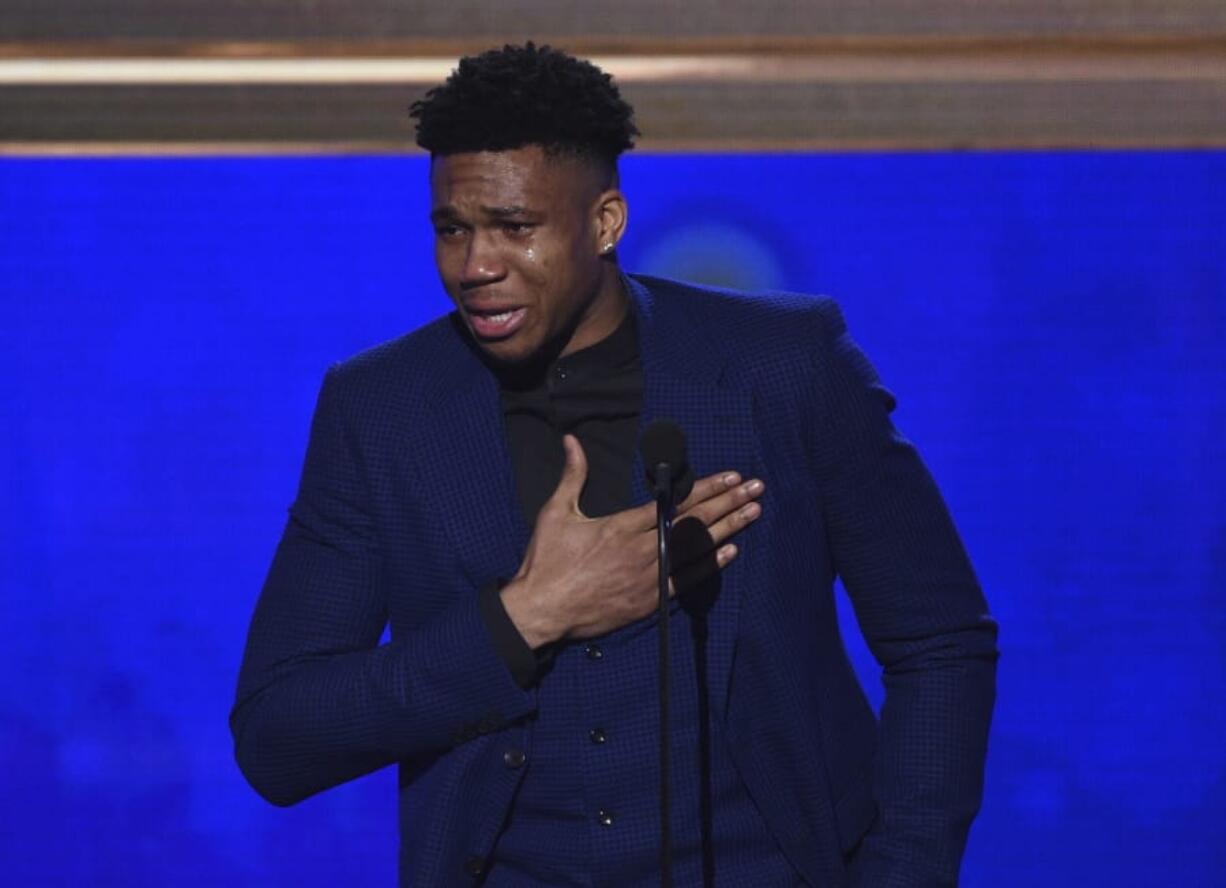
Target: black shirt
{"points": [[595, 394]]}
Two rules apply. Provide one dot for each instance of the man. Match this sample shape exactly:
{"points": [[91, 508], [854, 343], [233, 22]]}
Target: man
{"points": [[475, 483]]}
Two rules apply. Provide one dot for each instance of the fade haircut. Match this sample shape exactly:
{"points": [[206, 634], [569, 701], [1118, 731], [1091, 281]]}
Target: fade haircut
{"points": [[527, 95]]}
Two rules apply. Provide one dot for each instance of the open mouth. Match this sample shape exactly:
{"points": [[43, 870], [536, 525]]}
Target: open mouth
{"points": [[496, 325]]}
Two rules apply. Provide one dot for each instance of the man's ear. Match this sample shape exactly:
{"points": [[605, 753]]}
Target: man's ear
{"points": [[611, 215]]}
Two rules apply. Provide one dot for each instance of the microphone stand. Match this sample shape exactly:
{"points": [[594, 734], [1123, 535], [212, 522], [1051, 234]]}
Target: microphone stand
{"points": [[664, 528]]}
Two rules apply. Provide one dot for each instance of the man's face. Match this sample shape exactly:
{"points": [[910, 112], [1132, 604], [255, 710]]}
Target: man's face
{"points": [[518, 244]]}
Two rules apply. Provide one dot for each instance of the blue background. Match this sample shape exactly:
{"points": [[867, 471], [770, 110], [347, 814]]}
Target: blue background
{"points": [[1053, 325]]}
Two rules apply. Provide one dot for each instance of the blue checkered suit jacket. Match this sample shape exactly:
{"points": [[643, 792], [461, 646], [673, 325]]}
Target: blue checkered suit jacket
{"points": [[407, 506]]}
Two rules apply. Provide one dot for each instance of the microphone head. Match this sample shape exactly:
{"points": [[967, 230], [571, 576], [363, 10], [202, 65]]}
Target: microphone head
{"points": [[664, 442]]}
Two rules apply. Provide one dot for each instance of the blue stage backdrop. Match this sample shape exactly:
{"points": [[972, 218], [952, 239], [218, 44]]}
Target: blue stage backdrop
{"points": [[1053, 326]]}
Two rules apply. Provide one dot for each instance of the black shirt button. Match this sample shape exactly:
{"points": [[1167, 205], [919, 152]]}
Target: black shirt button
{"points": [[474, 866], [559, 371], [513, 758], [604, 818], [597, 735], [593, 652]]}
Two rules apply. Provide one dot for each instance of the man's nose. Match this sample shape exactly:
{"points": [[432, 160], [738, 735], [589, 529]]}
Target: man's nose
{"points": [[482, 261]]}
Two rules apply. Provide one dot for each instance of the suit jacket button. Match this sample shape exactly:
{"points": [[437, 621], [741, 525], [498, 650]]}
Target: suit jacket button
{"points": [[593, 652], [474, 866], [513, 758]]}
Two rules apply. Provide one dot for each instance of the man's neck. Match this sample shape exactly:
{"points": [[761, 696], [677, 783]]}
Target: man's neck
{"points": [[606, 313]]}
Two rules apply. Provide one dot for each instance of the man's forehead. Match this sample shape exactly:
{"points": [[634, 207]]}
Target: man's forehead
{"points": [[514, 176]]}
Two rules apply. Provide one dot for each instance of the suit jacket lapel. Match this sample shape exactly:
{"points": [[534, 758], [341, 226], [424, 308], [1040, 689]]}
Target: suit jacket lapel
{"points": [[684, 378], [478, 501]]}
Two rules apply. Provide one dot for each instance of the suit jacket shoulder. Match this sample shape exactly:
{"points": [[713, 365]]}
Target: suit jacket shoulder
{"points": [[419, 355], [761, 328]]}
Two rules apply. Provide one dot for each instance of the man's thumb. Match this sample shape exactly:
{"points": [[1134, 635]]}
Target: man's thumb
{"points": [[574, 472]]}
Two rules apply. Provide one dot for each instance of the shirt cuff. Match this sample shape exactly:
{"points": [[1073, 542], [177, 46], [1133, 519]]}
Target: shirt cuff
{"points": [[521, 660]]}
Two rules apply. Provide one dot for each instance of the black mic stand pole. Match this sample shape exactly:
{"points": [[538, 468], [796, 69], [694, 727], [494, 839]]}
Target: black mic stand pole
{"points": [[664, 529]]}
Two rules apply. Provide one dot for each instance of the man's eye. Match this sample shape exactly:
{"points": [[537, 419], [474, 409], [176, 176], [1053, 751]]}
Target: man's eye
{"points": [[517, 228], [448, 231]]}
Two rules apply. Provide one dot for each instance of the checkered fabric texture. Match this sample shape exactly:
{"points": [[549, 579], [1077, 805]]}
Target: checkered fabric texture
{"points": [[406, 508]]}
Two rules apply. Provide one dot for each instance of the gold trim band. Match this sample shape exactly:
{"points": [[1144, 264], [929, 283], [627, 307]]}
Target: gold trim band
{"points": [[1014, 66]]}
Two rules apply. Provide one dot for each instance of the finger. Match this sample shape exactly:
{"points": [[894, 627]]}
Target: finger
{"points": [[574, 473], [644, 517], [733, 522], [707, 487], [717, 507]]}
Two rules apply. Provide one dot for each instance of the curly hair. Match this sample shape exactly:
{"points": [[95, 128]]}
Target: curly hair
{"points": [[526, 95]]}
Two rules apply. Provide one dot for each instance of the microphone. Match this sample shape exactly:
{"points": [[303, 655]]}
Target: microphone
{"points": [[663, 450]]}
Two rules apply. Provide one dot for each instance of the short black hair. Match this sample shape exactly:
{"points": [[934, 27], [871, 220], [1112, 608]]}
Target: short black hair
{"points": [[526, 95]]}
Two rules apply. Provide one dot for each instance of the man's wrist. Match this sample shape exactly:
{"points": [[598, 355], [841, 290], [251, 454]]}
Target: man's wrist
{"points": [[536, 630]]}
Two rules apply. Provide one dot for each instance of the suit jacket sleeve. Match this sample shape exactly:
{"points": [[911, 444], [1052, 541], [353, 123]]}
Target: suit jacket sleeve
{"points": [[319, 701], [923, 615]]}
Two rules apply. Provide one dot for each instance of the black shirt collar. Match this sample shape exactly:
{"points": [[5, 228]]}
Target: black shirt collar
{"points": [[616, 353], [602, 381]]}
